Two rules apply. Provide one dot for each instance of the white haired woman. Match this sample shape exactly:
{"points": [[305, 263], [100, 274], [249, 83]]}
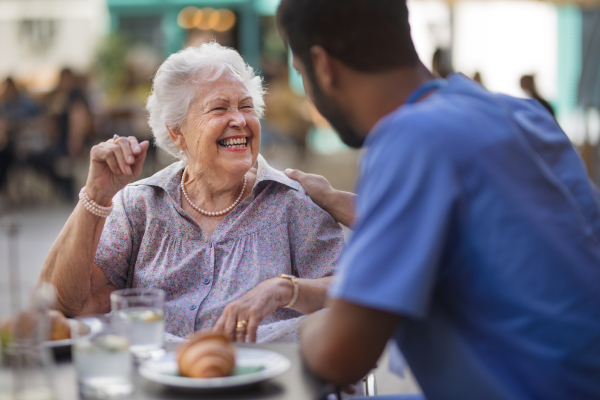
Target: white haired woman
{"points": [[214, 230]]}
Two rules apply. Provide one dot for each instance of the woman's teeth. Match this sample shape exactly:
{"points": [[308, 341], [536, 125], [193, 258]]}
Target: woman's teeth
{"points": [[239, 143]]}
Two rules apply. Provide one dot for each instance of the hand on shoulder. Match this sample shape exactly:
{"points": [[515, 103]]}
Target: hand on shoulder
{"points": [[336, 202]]}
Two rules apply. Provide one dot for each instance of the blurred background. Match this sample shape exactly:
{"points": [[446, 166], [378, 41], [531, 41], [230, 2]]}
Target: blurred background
{"points": [[75, 72]]}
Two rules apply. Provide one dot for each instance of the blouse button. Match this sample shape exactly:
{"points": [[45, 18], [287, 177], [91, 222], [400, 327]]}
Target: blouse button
{"points": [[206, 281], [193, 307], [210, 245]]}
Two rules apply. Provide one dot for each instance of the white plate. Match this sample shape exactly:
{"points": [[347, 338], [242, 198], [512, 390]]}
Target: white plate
{"points": [[254, 365]]}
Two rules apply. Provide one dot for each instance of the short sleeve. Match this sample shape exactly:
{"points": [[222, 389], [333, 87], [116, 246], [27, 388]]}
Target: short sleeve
{"points": [[405, 204], [114, 253], [316, 240]]}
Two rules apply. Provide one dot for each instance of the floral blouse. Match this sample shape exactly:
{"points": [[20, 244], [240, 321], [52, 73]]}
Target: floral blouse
{"points": [[150, 241]]}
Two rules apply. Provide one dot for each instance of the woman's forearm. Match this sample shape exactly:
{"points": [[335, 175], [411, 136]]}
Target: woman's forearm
{"points": [[69, 263], [312, 293]]}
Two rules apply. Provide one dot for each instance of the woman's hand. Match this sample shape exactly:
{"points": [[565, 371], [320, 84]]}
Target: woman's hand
{"points": [[253, 307], [114, 164]]}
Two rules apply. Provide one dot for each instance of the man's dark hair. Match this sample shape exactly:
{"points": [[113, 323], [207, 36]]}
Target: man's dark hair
{"points": [[366, 35]]}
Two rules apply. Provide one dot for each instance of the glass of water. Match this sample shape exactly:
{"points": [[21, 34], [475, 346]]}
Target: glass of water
{"points": [[140, 313], [102, 359]]}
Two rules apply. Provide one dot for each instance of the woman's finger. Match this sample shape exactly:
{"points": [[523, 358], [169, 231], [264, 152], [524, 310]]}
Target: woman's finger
{"points": [[241, 328], [135, 145], [219, 325], [126, 148], [229, 326], [107, 156], [253, 322], [141, 156], [116, 149]]}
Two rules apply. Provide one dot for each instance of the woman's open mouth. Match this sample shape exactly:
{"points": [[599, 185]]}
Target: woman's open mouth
{"points": [[234, 143]]}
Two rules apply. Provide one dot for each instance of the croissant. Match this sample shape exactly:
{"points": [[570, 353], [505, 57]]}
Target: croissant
{"points": [[59, 326], [206, 355], [23, 325]]}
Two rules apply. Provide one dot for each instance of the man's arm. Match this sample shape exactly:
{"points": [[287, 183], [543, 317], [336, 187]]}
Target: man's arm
{"points": [[336, 202], [343, 343]]}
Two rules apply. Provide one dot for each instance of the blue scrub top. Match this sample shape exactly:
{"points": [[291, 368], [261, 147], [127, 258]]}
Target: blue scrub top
{"points": [[478, 225]]}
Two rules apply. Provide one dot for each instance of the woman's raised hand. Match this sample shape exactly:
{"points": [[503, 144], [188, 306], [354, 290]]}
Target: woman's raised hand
{"points": [[114, 164]]}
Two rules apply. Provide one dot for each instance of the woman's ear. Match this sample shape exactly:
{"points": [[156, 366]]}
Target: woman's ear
{"points": [[177, 137]]}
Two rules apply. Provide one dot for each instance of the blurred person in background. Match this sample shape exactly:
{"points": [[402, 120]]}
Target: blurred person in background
{"points": [[528, 85], [16, 110], [128, 116], [476, 242], [288, 120], [70, 124], [215, 230], [477, 78], [441, 62]]}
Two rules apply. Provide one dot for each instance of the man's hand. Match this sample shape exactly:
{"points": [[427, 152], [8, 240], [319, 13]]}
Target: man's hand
{"points": [[337, 203], [343, 343]]}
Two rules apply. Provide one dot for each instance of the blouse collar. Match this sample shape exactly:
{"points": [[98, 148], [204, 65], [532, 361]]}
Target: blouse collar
{"points": [[169, 178]]}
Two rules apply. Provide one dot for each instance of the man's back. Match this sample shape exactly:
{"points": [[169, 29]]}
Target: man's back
{"points": [[477, 223]]}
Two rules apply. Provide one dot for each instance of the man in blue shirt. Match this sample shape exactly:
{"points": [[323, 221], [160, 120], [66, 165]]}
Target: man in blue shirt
{"points": [[477, 231]]}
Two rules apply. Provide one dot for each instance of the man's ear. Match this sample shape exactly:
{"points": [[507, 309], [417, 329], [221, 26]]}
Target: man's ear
{"points": [[324, 68], [177, 137]]}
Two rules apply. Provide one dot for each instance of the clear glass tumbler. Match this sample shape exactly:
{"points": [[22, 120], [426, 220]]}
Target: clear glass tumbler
{"points": [[102, 359], [140, 313]]}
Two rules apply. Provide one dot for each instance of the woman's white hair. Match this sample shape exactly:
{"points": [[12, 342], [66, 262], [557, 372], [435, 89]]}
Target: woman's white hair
{"points": [[176, 84]]}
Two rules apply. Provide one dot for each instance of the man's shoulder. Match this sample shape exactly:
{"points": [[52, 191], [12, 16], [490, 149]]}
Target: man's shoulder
{"points": [[459, 119]]}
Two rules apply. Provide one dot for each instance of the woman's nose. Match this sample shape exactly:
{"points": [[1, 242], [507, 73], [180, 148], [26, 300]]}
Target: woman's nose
{"points": [[237, 119]]}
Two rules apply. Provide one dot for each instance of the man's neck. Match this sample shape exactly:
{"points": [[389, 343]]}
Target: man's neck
{"points": [[372, 96]]}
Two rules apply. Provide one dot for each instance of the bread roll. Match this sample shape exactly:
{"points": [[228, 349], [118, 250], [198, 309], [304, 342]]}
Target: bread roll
{"points": [[59, 326], [206, 355], [23, 326]]}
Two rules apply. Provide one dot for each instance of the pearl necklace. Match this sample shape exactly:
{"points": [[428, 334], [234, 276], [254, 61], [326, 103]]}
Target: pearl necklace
{"points": [[210, 214]]}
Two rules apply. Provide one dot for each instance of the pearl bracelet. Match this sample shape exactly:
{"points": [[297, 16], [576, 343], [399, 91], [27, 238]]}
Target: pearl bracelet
{"points": [[92, 206]]}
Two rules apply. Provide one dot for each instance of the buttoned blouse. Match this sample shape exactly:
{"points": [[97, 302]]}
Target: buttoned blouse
{"points": [[149, 241]]}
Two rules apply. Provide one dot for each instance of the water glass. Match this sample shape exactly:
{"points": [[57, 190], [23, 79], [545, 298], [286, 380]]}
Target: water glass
{"points": [[102, 359], [5, 375], [140, 313]]}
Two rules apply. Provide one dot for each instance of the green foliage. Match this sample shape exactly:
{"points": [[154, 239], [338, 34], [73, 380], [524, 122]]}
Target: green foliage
{"points": [[111, 61]]}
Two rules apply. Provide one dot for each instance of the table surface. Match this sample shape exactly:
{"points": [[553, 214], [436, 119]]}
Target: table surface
{"points": [[295, 384]]}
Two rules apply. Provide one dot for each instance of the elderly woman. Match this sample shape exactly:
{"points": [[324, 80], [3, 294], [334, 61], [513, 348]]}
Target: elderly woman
{"points": [[214, 230]]}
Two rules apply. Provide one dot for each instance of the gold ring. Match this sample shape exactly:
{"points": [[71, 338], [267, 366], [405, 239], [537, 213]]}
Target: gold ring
{"points": [[241, 325], [115, 137]]}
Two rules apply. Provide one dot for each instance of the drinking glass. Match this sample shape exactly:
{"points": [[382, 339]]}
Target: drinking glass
{"points": [[5, 375], [102, 359], [140, 313]]}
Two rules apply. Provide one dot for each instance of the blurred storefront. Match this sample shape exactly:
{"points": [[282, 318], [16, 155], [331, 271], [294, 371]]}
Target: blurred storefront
{"points": [[39, 37], [169, 25], [115, 46]]}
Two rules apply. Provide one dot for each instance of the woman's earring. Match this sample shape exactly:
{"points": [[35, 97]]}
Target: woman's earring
{"points": [[181, 152]]}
